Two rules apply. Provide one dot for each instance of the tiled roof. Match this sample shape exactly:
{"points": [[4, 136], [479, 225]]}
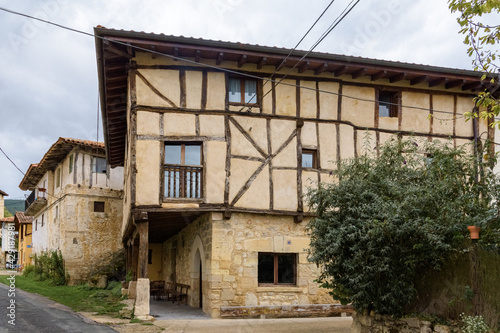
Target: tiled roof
{"points": [[56, 153], [3, 193], [7, 219], [21, 218]]}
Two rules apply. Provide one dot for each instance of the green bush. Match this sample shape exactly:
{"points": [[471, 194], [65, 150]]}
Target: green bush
{"points": [[48, 265], [392, 217]]}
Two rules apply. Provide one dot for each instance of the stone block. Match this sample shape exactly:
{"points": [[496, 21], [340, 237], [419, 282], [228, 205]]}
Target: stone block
{"points": [[412, 322], [141, 307], [132, 289]]}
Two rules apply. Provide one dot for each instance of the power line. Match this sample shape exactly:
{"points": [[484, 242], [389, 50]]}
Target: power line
{"points": [[322, 37], [291, 51], [11, 161], [220, 68]]}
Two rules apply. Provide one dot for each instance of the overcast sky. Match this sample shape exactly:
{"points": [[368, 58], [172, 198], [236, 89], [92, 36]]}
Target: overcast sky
{"points": [[48, 79]]}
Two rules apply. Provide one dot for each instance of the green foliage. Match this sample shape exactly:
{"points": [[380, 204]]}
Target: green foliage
{"points": [[393, 216], [48, 265], [14, 205], [473, 324], [6, 212], [483, 40]]}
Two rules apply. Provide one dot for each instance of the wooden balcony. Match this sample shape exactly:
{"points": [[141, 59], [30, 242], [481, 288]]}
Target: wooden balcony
{"points": [[183, 181], [35, 202]]}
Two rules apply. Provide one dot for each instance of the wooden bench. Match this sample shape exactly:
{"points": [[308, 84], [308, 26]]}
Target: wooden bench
{"points": [[179, 293], [156, 288]]}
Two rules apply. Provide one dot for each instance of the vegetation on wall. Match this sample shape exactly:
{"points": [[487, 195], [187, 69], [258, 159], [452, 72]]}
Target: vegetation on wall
{"points": [[394, 217]]}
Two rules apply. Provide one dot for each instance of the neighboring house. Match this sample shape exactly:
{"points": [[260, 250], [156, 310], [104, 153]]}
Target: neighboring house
{"points": [[2, 203], [217, 159], [9, 235], [76, 204], [24, 225], [6, 223]]}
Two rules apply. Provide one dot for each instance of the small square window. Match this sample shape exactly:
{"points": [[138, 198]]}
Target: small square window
{"points": [[99, 206], [388, 104], [242, 91], [309, 158], [277, 268]]}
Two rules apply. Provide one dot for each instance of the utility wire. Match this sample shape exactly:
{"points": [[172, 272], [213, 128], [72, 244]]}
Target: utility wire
{"points": [[11, 161], [322, 37], [220, 68]]}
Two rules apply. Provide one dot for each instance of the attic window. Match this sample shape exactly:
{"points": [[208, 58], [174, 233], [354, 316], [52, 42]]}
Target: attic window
{"points": [[242, 91], [388, 104]]}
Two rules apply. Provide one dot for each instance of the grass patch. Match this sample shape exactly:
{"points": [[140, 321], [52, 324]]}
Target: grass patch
{"points": [[79, 298]]}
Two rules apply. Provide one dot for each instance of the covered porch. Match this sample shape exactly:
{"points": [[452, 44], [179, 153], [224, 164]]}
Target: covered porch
{"points": [[156, 254]]}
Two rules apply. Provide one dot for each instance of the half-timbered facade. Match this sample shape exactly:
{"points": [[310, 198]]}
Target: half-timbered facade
{"points": [[220, 141], [76, 205]]}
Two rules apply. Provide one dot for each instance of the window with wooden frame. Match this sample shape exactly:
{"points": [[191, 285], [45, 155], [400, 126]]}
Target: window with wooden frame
{"points": [[242, 91], [309, 158], [388, 104], [277, 269], [183, 170]]}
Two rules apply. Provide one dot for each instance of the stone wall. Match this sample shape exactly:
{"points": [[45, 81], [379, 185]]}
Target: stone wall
{"points": [[230, 266], [388, 324]]}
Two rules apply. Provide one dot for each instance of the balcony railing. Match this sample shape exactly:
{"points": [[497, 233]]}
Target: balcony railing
{"points": [[183, 181], [36, 200]]}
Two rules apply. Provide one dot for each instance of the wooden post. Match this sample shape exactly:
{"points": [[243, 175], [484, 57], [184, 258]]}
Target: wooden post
{"points": [[142, 228], [135, 256]]}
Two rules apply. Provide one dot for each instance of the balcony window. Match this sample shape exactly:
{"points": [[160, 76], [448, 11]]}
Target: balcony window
{"points": [[183, 170], [242, 91]]}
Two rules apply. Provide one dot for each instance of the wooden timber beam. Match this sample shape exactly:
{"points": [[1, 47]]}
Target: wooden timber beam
{"points": [[304, 67], [262, 62], [471, 86], [320, 69], [242, 61], [176, 53], [115, 50], [437, 82], [197, 56], [419, 79], [397, 77], [220, 57], [358, 73], [342, 70], [378, 75], [454, 83], [281, 65]]}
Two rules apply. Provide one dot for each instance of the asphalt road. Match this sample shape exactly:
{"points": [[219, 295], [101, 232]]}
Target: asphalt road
{"points": [[35, 313]]}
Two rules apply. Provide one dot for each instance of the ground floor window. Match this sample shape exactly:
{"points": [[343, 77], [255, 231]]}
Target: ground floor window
{"points": [[277, 269]]}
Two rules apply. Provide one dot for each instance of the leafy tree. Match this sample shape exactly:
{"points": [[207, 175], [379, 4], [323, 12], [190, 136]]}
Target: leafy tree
{"points": [[483, 40], [6, 212], [390, 219]]}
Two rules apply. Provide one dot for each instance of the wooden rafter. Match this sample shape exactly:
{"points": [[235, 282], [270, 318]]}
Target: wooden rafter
{"points": [[242, 61], [358, 73], [262, 62], [419, 79], [397, 77], [321, 68], [378, 75], [304, 67], [220, 57]]}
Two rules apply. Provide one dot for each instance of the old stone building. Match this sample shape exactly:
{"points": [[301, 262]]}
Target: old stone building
{"points": [[219, 142], [76, 204]]}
